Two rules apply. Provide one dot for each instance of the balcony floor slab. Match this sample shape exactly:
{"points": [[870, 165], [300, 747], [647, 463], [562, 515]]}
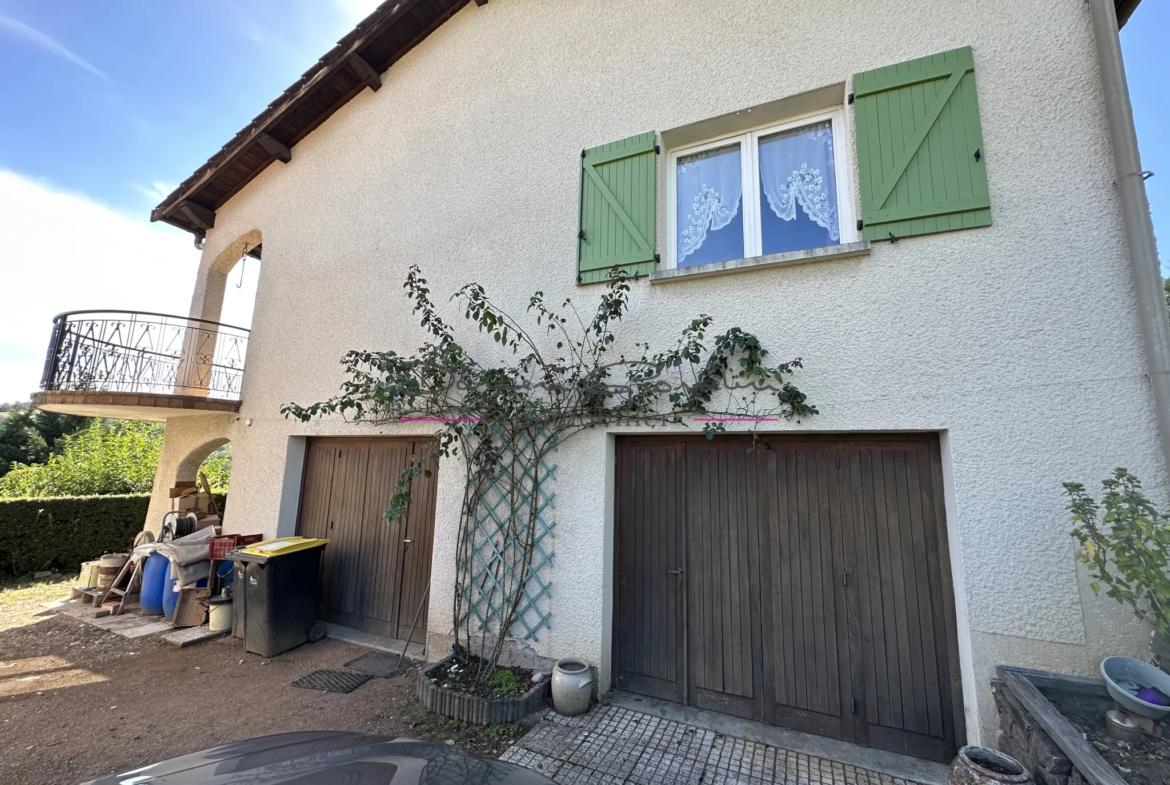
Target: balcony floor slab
{"points": [[131, 406]]}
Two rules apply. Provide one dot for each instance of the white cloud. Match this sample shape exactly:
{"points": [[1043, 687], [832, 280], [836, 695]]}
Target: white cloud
{"points": [[50, 45], [61, 252]]}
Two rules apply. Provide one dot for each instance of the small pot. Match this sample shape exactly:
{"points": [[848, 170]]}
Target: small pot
{"points": [[983, 766], [572, 687], [219, 618]]}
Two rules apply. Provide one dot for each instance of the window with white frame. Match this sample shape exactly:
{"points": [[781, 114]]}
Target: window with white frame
{"points": [[772, 190]]}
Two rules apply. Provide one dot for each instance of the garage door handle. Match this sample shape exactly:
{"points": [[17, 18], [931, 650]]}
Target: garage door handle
{"points": [[407, 542], [674, 572]]}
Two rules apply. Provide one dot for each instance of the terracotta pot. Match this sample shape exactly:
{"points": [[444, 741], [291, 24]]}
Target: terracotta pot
{"points": [[983, 766]]}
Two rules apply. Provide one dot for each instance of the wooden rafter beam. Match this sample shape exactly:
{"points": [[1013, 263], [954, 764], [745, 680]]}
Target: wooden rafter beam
{"points": [[365, 71], [198, 215], [276, 148]]}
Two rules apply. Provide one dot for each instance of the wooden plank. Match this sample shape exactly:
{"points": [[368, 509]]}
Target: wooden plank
{"points": [[1091, 765], [929, 713], [914, 689], [836, 664], [190, 610], [851, 534], [381, 554], [945, 620], [420, 530], [649, 644], [1049, 680]]}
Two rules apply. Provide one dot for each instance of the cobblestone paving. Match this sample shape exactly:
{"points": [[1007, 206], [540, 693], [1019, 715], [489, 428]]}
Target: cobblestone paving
{"points": [[617, 746]]}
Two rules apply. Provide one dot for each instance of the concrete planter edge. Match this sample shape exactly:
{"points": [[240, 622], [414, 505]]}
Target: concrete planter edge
{"points": [[473, 708]]}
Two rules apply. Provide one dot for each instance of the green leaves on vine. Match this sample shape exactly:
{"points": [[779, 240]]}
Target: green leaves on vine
{"points": [[561, 380]]}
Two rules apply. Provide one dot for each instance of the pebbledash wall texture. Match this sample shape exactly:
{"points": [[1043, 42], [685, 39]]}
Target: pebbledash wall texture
{"points": [[1019, 343]]}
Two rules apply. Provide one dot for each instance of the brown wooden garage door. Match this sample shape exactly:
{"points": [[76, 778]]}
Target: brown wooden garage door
{"points": [[375, 573], [806, 585]]}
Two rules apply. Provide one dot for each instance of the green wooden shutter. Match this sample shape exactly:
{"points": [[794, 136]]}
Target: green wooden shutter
{"points": [[617, 209], [920, 147]]}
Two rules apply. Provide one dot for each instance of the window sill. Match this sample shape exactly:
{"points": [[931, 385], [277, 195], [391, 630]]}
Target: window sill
{"points": [[830, 252]]}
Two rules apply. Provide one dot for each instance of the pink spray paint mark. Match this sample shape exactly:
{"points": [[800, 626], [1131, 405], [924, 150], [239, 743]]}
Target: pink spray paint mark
{"points": [[737, 419], [440, 419]]}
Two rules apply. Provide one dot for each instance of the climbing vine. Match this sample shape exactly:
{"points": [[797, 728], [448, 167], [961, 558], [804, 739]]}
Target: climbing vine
{"points": [[558, 374]]}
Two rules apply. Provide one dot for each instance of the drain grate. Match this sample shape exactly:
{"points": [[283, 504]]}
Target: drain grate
{"points": [[332, 681], [375, 663]]}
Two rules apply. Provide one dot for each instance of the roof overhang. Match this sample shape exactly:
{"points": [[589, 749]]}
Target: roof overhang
{"points": [[354, 64], [380, 40]]}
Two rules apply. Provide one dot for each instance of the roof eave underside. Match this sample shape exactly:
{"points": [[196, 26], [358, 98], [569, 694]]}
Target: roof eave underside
{"points": [[380, 40]]}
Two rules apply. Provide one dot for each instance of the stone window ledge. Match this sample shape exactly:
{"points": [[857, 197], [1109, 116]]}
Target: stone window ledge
{"points": [[844, 251]]}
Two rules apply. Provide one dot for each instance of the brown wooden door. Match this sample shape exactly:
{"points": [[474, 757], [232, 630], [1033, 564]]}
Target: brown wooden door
{"points": [[723, 572], [375, 572], [908, 677], [806, 632], [650, 564], [816, 592]]}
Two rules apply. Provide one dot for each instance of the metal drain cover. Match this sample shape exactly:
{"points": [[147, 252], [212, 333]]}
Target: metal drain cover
{"points": [[332, 681]]}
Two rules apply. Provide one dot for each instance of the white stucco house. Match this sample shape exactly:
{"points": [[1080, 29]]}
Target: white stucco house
{"points": [[937, 206]]}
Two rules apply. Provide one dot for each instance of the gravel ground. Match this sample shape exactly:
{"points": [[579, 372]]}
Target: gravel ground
{"points": [[77, 702]]}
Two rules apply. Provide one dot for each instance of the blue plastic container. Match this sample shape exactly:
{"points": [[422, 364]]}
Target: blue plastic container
{"points": [[170, 598], [154, 577]]}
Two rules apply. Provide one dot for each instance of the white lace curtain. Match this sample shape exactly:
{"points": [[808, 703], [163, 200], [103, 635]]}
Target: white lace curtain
{"points": [[796, 167], [710, 186]]}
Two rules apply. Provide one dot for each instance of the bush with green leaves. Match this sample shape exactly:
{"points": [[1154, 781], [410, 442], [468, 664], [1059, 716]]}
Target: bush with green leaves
{"points": [[112, 457], [1126, 547]]}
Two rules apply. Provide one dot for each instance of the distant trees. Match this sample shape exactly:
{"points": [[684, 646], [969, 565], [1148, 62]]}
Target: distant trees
{"points": [[106, 457], [31, 437]]}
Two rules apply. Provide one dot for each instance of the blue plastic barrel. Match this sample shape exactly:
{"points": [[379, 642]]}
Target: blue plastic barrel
{"points": [[170, 598], [154, 577]]}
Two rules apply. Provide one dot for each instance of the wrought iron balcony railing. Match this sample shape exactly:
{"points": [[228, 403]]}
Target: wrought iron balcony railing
{"points": [[154, 353]]}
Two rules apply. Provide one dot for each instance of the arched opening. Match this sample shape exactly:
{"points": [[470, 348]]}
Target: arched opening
{"points": [[215, 342], [210, 461], [235, 273]]}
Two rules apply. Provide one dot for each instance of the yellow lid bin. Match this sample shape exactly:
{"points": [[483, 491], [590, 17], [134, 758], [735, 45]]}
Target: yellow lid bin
{"points": [[281, 545]]}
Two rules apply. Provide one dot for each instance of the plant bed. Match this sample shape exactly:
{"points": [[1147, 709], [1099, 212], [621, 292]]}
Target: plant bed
{"points": [[1055, 725], [447, 688]]}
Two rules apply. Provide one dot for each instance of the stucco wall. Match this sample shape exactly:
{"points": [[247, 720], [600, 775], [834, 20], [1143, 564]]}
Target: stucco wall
{"points": [[1020, 341]]}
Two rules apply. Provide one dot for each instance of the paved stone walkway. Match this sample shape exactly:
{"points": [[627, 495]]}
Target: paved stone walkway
{"points": [[612, 745]]}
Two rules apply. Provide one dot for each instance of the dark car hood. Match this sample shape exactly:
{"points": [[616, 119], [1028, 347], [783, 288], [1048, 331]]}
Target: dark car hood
{"points": [[327, 758]]}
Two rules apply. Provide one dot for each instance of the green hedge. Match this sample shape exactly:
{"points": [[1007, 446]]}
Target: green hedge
{"points": [[62, 532]]}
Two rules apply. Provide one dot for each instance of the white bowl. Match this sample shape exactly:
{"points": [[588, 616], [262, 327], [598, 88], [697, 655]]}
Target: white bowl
{"points": [[1118, 669]]}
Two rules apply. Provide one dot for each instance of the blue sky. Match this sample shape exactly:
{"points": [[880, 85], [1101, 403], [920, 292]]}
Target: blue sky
{"points": [[109, 104], [118, 97]]}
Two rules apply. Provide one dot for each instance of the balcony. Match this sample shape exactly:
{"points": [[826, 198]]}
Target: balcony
{"points": [[141, 366]]}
